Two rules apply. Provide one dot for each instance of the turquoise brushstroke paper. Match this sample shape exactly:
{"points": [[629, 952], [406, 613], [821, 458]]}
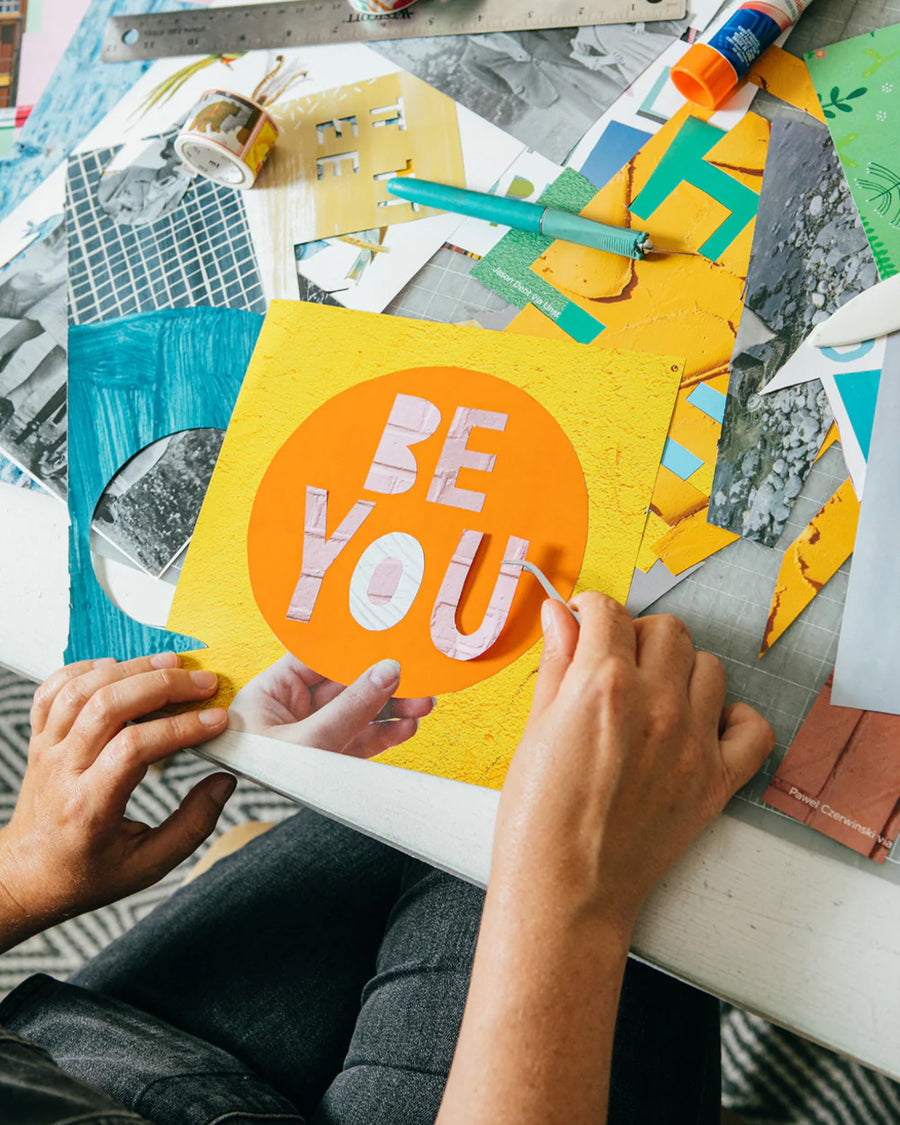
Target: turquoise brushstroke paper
{"points": [[78, 96], [131, 382], [858, 84]]}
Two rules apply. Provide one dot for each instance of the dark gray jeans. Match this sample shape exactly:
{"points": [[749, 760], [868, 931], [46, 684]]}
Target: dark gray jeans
{"points": [[316, 976]]}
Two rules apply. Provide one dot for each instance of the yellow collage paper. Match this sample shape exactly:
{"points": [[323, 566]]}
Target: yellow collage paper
{"points": [[607, 411]]}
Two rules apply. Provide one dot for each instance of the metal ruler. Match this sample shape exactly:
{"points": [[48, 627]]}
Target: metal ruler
{"points": [[306, 23]]}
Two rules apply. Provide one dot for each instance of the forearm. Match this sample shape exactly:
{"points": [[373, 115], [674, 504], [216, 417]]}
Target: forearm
{"points": [[537, 1034]]}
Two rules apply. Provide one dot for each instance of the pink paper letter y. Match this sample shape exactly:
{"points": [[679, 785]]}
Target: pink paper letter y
{"points": [[320, 552]]}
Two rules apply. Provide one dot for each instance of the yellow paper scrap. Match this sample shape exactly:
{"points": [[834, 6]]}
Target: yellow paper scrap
{"points": [[816, 555], [690, 542], [786, 77], [656, 527]]}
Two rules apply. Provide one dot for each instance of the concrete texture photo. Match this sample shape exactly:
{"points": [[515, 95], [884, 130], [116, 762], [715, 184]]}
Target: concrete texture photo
{"points": [[810, 255]]}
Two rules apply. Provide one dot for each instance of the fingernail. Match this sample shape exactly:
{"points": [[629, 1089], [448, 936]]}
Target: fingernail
{"points": [[548, 621], [221, 789], [213, 716], [164, 660], [104, 661], [205, 680], [385, 674]]}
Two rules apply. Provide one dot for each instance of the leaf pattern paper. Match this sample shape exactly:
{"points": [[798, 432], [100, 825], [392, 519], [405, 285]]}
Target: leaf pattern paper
{"points": [[858, 84]]}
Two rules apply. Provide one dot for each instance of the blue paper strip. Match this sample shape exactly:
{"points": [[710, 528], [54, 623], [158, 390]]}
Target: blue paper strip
{"points": [[679, 460], [709, 400]]}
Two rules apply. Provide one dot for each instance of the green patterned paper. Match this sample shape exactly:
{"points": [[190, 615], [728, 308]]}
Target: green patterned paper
{"points": [[858, 83]]}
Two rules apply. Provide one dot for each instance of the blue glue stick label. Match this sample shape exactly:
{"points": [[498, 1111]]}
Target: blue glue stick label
{"points": [[744, 38]]}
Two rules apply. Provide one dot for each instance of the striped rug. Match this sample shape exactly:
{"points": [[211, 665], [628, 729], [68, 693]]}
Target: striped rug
{"points": [[768, 1075]]}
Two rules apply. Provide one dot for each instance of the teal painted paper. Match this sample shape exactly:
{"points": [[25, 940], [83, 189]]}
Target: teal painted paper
{"points": [[131, 382], [858, 84]]}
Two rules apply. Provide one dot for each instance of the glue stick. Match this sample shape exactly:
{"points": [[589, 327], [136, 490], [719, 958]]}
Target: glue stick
{"points": [[710, 71]]}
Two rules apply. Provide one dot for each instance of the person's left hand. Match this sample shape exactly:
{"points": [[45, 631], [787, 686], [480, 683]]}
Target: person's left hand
{"points": [[293, 703]]}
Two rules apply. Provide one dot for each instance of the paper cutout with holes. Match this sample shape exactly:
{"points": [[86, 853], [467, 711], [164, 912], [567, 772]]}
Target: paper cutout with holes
{"points": [[344, 144]]}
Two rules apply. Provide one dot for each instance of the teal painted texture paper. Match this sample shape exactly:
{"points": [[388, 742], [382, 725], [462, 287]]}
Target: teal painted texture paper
{"points": [[858, 83], [131, 382]]}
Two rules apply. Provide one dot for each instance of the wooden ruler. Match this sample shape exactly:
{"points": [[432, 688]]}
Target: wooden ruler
{"points": [[305, 23]]}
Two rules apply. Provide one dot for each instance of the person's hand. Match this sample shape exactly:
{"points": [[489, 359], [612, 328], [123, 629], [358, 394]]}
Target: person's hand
{"points": [[290, 702], [69, 846], [627, 755]]}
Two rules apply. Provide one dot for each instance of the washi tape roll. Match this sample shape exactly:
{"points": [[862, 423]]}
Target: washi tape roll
{"points": [[228, 138], [380, 7]]}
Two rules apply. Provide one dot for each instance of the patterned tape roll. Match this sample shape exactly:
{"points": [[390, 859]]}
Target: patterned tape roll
{"points": [[380, 7], [227, 138]]}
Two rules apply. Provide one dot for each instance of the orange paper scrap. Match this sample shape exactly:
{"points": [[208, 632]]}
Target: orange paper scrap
{"points": [[693, 188], [815, 556]]}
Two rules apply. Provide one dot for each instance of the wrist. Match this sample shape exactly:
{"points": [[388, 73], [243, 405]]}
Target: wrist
{"points": [[569, 893], [17, 921]]}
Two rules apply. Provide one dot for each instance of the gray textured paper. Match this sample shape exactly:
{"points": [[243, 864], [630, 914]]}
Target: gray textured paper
{"points": [[867, 672]]}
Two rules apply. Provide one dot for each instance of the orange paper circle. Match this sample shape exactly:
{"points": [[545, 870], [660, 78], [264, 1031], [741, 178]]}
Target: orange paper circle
{"points": [[536, 491]]}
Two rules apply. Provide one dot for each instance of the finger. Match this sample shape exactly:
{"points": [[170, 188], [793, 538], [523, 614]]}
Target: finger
{"points": [[746, 740], [75, 691], [560, 640], [112, 706], [378, 737], [412, 708], [324, 692], [340, 721], [179, 836], [706, 689], [606, 629], [664, 649], [47, 691], [122, 764]]}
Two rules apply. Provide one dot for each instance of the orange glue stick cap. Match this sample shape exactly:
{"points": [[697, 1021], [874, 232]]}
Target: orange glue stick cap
{"points": [[704, 77]]}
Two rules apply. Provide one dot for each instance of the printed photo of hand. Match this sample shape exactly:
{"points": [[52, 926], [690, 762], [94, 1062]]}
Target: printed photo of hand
{"points": [[291, 702]]}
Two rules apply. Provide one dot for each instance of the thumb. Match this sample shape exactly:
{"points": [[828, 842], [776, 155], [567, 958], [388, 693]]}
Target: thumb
{"points": [[560, 638], [336, 724], [745, 741], [184, 831]]}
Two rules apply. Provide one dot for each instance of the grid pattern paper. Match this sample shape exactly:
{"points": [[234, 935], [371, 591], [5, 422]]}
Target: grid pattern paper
{"points": [[200, 254], [442, 290]]}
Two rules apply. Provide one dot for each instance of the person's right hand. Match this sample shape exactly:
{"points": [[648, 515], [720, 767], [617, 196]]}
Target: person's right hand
{"points": [[627, 755]]}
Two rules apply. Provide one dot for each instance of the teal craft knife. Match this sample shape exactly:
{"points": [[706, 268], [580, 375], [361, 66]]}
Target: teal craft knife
{"points": [[876, 312], [522, 215]]}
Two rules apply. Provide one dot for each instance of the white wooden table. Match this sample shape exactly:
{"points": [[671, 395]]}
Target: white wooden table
{"points": [[797, 937]]}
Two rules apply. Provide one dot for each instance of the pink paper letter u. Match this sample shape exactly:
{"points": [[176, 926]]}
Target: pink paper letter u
{"points": [[444, 631]]}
